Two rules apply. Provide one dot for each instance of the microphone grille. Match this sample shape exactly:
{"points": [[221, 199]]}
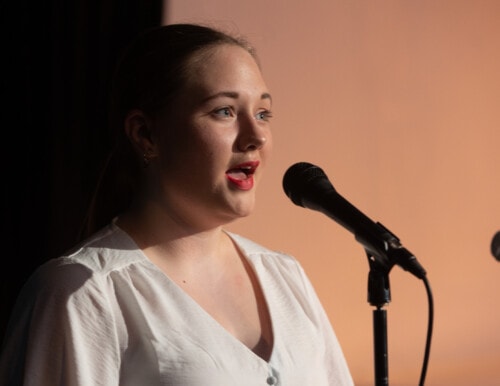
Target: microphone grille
{"points": [[297, 179]]}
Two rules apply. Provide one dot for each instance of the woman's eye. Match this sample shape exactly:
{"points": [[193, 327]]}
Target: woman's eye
{"points": [[264, 115], [224, 112]]}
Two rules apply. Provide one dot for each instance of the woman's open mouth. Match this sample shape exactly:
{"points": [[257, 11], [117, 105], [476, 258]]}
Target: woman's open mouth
{"points": [[241, 176]]}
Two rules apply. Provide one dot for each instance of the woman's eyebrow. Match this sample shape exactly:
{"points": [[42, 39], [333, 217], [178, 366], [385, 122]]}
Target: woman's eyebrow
{"points": [[266, 95], [233, 95]]}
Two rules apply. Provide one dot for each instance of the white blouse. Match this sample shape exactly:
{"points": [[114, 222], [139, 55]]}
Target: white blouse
{"points": [[106, 315]]}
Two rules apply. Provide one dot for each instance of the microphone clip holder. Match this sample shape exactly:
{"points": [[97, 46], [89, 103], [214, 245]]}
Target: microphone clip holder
{"points": [[384, 251], [379, 294], [381, 260]]}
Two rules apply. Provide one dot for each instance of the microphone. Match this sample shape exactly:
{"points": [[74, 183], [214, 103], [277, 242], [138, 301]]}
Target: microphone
{"points": [[308, 186], [495, 246]]}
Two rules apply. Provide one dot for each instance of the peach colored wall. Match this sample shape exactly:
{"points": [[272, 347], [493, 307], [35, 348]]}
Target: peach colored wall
{"points": [[399, 103]]}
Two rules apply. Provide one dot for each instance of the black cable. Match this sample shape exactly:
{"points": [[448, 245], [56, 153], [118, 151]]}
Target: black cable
{"points": [[429, 331]]}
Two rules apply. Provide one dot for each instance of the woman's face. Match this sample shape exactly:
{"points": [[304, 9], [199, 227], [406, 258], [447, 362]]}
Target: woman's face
{"points": [[215, 139]]}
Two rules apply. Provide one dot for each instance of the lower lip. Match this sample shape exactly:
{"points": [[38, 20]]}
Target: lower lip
{"points": [[245, 184]]}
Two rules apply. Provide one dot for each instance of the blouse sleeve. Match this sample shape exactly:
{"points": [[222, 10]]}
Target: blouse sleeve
{"points": [[61, 331]]}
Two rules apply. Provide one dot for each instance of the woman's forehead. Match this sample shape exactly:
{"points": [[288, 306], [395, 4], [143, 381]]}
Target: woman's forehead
{"points": [[225, 67]]}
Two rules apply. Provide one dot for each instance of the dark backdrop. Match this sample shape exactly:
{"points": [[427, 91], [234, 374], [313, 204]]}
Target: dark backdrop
{"points": [[56, 63]]}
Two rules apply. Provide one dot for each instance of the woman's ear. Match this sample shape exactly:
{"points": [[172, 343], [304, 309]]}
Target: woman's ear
{"points": [[139, 133]]}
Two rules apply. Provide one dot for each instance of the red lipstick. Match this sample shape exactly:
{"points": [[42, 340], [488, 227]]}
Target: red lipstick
{"points": [[241, 175]]}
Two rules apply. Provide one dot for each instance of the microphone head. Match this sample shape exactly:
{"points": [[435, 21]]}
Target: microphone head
{"points": [[300, 179], [495, 246]]}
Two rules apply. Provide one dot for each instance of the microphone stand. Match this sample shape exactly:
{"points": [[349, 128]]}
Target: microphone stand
{"points": [[378, 296]]}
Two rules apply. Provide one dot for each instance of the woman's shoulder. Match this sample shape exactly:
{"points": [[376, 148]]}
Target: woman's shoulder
{"points": [[258, 252], [272, 264], [108, 250], [251, 247]]}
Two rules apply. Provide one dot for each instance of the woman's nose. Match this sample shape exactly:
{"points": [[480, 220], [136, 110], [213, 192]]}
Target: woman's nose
{"points": [[253, 135]]}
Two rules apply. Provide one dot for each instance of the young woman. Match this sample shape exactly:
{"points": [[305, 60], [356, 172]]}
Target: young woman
{"points": [[163, 295]]}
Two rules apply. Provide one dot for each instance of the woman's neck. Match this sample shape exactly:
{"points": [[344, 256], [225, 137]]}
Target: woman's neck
{"points": [[158, 233]]}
